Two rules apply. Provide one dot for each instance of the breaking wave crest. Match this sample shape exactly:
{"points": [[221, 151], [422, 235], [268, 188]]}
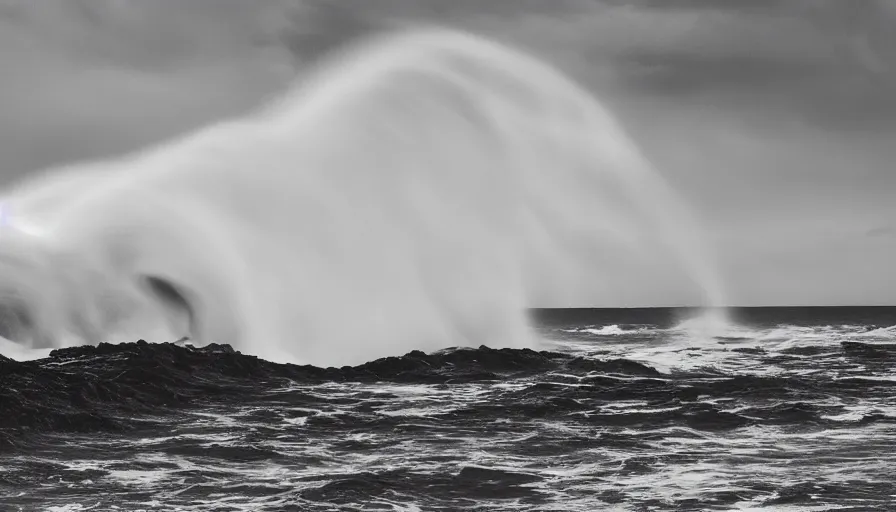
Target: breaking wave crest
{"points": [[415, 193]]}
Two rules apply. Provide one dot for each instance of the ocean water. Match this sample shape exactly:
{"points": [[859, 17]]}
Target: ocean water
{"points": [[784, 409]]}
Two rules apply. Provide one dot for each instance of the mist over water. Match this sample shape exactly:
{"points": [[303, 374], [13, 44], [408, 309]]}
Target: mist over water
{"points": [[414, 193]]}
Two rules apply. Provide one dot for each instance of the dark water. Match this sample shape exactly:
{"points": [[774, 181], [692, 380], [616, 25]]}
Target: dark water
{"points": [[786, 409]]}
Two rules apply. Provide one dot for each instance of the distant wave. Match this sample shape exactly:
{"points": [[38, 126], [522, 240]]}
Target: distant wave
{"points": [[699, 329], [608, 330], [882, 332]]}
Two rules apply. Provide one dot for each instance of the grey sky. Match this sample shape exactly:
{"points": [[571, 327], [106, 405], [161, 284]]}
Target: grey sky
{"points": [[775, 118]]}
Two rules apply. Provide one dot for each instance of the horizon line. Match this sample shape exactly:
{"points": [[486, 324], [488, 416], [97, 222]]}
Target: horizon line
{"points": [[719, 307]]}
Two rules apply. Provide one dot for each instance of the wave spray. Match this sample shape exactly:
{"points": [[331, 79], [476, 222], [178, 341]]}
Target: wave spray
{"points": [[410, 194]]}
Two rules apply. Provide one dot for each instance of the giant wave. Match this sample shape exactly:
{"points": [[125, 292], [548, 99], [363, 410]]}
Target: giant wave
{"points": [[410, 194]]}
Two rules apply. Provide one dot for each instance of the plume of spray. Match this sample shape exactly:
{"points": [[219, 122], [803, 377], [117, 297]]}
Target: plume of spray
{"points": [[408, 195]]}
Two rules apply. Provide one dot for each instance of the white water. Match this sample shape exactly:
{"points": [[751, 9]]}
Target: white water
{"points": [[409, 195]]}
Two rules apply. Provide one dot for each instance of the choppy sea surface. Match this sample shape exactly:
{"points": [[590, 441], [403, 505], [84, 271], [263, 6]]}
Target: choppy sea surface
{"points": [[780, 409]]}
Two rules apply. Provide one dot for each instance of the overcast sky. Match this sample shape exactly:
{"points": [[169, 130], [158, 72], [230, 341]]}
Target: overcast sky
{"points": [[776, 119]]}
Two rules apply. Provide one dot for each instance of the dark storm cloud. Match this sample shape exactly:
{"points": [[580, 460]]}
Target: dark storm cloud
{"points": [[86, 79], [882, 231], [681, 73], [831, 63], [315, 27], [830, 95], [735, 5]]}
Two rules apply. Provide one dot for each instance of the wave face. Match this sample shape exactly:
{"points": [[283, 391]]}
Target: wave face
{"points": [[412, 194]]}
